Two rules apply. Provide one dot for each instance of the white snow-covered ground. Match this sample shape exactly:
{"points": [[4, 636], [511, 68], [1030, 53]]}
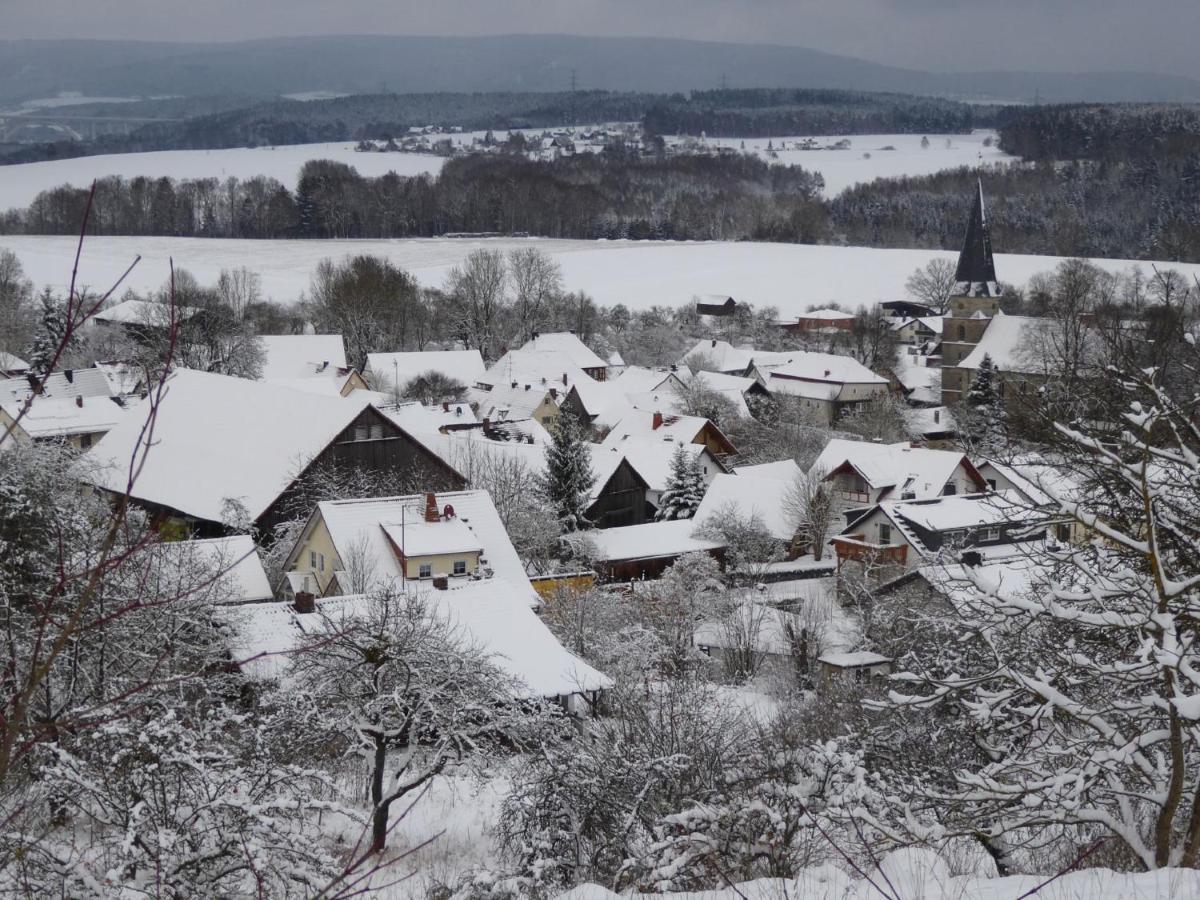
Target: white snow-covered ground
{"points": [[640, 274], [866, 159], [915, 874], [21, 183]]}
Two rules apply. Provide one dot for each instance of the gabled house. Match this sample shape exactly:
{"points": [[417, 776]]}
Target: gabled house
{"points": [[721, 356], [651, 460], [646, 550], [905, 534], [821, 320], [517, 400], [80, 422], [550, 355], [313, 363], [754, 494], [864, 474], [826, 385], [409, 542], [227, 453], [717, 305], [620, 496], [640, 424]]}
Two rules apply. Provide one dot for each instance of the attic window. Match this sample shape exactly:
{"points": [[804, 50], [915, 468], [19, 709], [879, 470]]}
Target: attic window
{"points": [[990, 534], [950, 489]]}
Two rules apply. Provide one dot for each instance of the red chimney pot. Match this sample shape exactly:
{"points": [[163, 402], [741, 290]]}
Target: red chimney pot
{"points": [[657, 421], [431, 508]]}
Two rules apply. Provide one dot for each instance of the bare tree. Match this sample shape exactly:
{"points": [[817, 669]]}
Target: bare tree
{"points": [[536, 279], [933, 284], [476, 290]]}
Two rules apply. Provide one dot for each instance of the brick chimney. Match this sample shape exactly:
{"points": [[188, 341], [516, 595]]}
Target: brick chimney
{"points": [[553, 393], [431, 509], [70, 373], [714, 342], [79, 401], [656, 423], [305, 602], [564, 379], [446, 407]]}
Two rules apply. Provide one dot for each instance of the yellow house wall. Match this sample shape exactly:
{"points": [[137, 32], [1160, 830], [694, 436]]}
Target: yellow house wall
{"points": [[443, 564], [319, 541]]}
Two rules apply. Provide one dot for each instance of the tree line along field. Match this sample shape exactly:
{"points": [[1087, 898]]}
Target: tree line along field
{"points": [[1097, 182], [637, 274]]}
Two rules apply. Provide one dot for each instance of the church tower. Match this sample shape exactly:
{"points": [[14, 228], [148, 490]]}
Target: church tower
{"points": [[975, 301]]}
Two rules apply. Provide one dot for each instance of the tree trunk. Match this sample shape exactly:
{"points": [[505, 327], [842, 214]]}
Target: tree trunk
{"points": [[379, 817]]}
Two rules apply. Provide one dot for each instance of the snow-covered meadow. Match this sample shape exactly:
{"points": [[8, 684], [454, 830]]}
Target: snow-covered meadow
{"points": [[865, 160], [639, 274], [20, 184], [872, 156]]}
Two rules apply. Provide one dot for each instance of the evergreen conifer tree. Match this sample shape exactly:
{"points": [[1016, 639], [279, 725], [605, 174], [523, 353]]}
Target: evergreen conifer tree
{"points": [[984, 425], [685, 487], [52, 326], [567, 482]]}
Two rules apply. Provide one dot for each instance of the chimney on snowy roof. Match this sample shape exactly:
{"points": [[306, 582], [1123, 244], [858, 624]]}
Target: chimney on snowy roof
{"points": [[305, 602], [656, 422], [431, 508], [79, 401]]}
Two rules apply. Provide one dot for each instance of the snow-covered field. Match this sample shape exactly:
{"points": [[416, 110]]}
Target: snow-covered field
{"points": [[639, 274], [919, 875], [20, 184], [865, 160]]}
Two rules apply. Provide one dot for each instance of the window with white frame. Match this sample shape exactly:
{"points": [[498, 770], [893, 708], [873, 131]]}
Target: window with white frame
{"points": [[991, 534], [885, 534], [425, 570], [460, 567]]}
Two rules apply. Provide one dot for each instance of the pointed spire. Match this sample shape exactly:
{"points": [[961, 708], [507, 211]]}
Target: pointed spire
{"points": [[976, 273]]}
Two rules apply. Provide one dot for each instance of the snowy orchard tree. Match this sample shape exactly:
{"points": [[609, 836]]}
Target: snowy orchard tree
{"points": [[396, 680], [567, 482], [685, 487], [177, 802], [1088, 691], [782, 808]]}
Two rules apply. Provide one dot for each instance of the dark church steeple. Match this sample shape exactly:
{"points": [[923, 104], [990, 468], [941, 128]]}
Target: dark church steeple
{"points": [[976, 273]]}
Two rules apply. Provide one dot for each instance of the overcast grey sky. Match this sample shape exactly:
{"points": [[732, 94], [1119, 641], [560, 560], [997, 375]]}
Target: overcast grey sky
{"points": [[1063, 35]]}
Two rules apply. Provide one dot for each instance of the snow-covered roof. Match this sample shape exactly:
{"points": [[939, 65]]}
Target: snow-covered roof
{"points": [[923, 383], [761, 495], [638, 379], [1036, 480], [853, 659], [933, 323], [496, 620], [649, 541], [217, 438], [1006, 340], [724, 357], [328, 384], [930, 420], [639, 423], [563, 344], [241, 574], [963, 511], [831, 315], [49, 417], [392, 371], [652, 458], [66, 383], [123, 379], [919, 471], [421, 538], [825, 367], [784, 470], [287, 356], [142, 312], [11, 363], [507, 402], [354, 524]]}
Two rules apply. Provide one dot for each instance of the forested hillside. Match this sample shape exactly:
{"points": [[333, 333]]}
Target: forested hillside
{"points": [[763, 113]]}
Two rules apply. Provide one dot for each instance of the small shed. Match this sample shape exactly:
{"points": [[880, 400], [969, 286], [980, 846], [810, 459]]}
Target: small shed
{"points": [[855, 666]]}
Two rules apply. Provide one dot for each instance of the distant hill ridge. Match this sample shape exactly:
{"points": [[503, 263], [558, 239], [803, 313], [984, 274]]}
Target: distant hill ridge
{"points": [[32, 69]]}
